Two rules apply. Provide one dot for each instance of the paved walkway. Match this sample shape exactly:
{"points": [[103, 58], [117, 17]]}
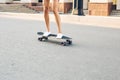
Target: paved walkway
{"points": [[94, 55], [16, 8], [103, 21]]}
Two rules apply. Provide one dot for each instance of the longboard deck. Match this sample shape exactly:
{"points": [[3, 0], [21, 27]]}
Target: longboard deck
{"points": [[54, 35], [67, 40]]}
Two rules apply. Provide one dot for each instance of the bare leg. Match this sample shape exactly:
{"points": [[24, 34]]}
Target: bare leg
{"points": [[46, 14], [57, 17]]}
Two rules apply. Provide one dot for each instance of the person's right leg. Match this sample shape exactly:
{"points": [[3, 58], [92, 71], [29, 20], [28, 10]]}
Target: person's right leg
{"points": [[46, 16], [57, 17]]}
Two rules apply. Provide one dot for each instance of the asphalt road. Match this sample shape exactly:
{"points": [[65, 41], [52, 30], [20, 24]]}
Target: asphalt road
{"points": [[94, 55]]}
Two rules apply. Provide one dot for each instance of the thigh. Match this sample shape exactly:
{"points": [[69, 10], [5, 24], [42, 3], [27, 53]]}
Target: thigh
{"points": [[46, 3], [55, 3]]}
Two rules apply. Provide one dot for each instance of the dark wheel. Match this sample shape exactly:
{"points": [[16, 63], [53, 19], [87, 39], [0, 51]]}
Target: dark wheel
{"points": [[69, 42], [40, 39], [64, 44]]}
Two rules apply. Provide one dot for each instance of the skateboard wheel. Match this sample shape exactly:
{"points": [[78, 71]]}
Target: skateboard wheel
{"points": [[69, 42], [40, 39], [64, 43]]}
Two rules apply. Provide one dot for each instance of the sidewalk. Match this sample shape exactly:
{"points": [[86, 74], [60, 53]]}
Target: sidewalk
{"points": [[103, 21]]}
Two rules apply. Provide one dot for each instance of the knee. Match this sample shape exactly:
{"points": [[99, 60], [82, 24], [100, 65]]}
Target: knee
{"points": [[46, 9], [55, 10]]}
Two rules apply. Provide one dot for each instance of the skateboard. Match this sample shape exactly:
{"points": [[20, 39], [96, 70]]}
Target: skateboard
{"points": [[66, 40]]}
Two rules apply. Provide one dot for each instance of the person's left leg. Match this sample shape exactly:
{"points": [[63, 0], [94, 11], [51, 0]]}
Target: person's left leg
{"points": [[57, 17]]}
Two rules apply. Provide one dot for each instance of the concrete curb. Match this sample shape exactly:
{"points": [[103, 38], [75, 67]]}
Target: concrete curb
{"points": [[103, 21]]}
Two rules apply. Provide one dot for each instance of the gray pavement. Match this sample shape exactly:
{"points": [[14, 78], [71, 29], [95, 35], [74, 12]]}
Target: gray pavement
{"points": [[94, 55]]}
